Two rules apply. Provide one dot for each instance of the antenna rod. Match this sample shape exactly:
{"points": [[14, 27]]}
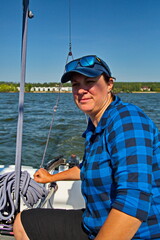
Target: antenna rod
{"points": [[70, 40]]}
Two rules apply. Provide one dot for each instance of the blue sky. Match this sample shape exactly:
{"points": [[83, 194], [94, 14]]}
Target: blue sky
{"points": [[124, 33]]}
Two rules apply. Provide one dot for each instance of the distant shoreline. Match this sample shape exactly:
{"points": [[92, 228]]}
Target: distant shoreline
{"points": [[39, 92], [145, 92], [71, 92], [119, 87]]}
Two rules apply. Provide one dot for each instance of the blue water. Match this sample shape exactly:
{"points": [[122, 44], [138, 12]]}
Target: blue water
{"points": [[68, 125]]}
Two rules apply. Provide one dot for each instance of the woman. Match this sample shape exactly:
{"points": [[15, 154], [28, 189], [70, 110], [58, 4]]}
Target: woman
{"points": [[120, 171]]}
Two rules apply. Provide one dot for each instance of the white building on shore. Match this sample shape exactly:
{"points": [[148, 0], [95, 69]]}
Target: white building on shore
{"points": [[51, 89]]}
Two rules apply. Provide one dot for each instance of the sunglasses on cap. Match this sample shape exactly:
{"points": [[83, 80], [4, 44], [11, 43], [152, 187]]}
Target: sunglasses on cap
{"points": [[86, 61]]}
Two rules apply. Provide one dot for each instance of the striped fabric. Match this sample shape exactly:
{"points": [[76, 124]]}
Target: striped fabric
{"points": [[121, 169]]}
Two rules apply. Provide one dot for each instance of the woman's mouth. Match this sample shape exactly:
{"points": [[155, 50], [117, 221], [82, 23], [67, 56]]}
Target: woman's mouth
{"points": [[84, 100]]}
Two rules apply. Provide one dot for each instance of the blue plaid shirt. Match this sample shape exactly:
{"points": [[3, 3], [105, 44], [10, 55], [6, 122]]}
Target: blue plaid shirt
{"points": [[121, 169]]}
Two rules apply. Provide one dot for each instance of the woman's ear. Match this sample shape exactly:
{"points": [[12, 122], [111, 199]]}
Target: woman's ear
{"points": [[110, 84]]}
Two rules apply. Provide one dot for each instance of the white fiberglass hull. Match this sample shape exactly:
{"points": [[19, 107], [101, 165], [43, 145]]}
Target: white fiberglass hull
{"points": [[67, 196]]}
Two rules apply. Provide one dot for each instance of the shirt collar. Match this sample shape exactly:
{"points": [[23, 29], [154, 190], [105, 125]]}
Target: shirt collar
{"points": [[91, 129]]}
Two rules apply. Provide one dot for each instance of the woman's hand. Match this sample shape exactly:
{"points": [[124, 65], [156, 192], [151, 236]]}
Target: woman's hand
{"points": [[42, 176]]}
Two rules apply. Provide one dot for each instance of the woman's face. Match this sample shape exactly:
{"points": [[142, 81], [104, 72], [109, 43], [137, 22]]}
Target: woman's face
{"points": [[91, 95]]}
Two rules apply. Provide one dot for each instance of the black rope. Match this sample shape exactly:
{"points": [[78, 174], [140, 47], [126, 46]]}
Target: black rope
{"points": [[60, 86]]}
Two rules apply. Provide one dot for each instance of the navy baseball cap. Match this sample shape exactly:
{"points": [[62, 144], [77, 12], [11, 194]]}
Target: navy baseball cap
{"points": [[90, 66]]}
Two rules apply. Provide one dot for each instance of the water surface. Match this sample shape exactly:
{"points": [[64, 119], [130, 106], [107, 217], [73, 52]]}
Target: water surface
{"points": [[68, 125]]}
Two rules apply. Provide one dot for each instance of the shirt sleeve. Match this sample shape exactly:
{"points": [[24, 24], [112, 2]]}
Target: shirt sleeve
{"points": [[130, 145]]}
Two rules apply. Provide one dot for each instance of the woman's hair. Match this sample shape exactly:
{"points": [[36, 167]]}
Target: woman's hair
{"points": [[106, 78]]}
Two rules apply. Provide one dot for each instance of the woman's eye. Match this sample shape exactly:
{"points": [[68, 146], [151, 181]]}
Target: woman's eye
{"points": [[74, 84], [90, 81]]}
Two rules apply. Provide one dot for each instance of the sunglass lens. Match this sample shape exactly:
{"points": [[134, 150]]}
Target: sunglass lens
{"points": [[70, 66], [87, 61]]}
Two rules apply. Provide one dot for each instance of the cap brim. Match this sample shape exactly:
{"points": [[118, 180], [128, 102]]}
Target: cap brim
{"points": [[88, 72]]}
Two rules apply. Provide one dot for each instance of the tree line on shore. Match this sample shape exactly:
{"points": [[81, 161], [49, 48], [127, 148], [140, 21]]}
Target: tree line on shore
{"points": [[118, 86]]}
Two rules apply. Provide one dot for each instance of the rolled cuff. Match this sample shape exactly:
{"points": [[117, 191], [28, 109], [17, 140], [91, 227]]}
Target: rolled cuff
{"points": [[133, 202]]}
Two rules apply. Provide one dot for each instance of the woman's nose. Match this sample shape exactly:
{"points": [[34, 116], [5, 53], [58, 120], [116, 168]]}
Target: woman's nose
{"points": [[82, 90]]}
